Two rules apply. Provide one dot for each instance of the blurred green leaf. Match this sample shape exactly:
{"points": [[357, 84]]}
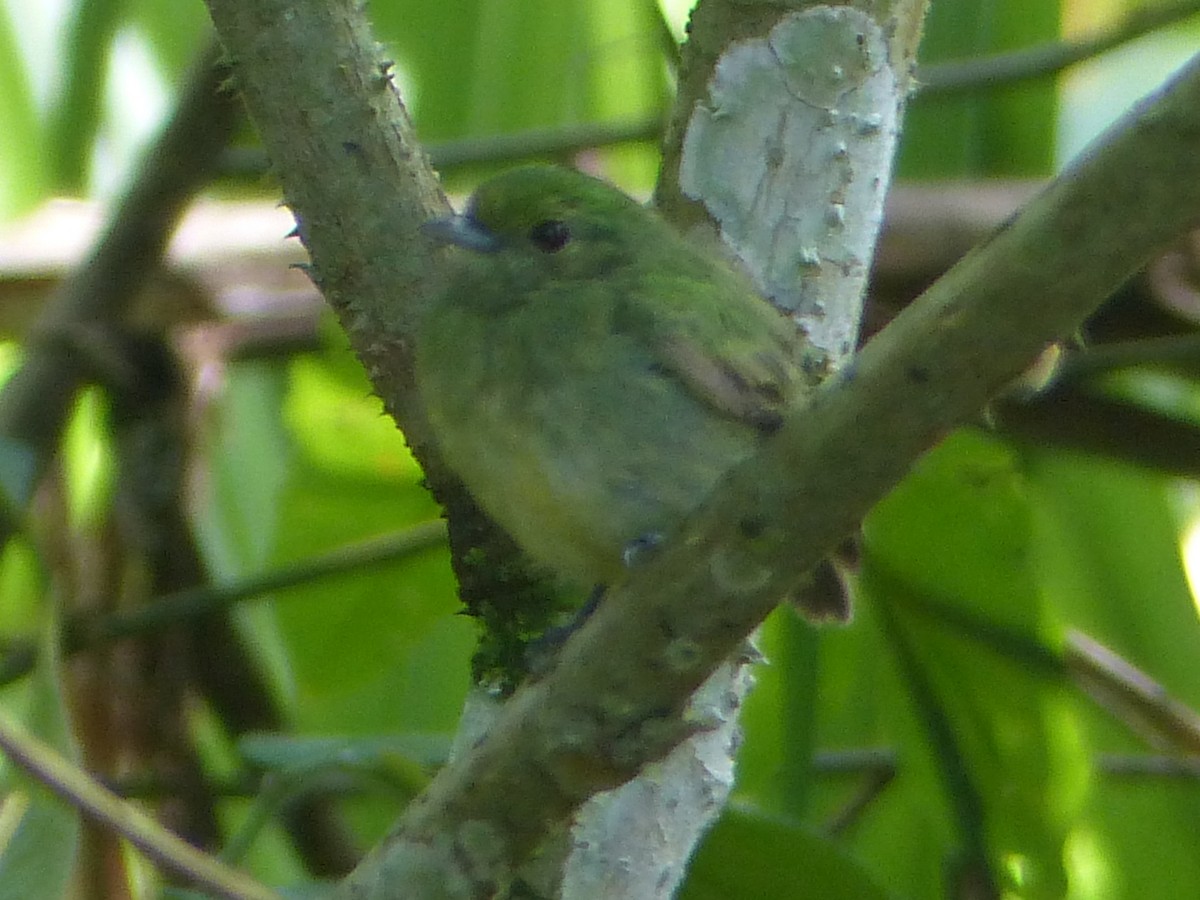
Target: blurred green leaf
{"points": [[956, 538], [470, 68], [249, 458], [993, 131], [22, 149], [774, 767], [1110, 551], [1109, 547], [174, 32], [349, 475], [747, 855], [78, 103]]}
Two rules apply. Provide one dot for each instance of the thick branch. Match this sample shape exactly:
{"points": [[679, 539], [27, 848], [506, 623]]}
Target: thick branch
{"points": [[352, 171], [360, 186], [593, 722]]}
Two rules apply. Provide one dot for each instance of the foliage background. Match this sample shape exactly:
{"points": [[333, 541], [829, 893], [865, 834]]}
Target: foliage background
{"points": [[946, 694]]}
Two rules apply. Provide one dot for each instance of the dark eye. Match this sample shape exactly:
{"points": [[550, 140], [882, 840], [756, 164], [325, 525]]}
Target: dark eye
{"points": [[550, 236]]}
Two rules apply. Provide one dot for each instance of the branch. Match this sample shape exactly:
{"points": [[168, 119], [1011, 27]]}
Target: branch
{"points": [[782, 139], [1132, 696], [102, 805], [591, 723], [510, 147], [353, 173], [188, 604], [1003, 69], [35, 401], [360, 186], [557, 142]]}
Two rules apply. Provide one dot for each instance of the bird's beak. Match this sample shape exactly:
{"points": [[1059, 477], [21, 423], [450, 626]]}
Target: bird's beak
{"points": [[462, 231]]}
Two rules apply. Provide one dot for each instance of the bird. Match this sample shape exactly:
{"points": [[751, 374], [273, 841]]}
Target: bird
{"points": [[590, 374]]}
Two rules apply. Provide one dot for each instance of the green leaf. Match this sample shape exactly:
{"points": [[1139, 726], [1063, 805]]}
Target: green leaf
{"points": [[250, 456], [78, 104], [748, 855], [22, 153], [949, 557], [1111, 549], [175, 32], [1109, 544], [774, 765], [1008, 131], [516, 67], [351, 476]]}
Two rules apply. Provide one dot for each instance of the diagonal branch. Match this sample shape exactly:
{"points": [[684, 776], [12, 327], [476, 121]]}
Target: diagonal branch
{"points": [[591, 723]]}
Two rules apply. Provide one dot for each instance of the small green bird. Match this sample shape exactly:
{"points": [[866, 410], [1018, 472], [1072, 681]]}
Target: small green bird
{"points": [[589, 374]]}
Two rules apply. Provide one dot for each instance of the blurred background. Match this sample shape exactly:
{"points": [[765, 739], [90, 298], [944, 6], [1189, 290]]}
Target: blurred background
{"points": [[224, 589]]}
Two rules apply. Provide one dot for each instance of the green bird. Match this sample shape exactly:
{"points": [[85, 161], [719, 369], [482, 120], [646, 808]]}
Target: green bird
{"points": [[589, 374]]}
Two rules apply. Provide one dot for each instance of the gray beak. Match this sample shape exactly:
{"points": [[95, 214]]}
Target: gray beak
{"points": [[462, 231]]}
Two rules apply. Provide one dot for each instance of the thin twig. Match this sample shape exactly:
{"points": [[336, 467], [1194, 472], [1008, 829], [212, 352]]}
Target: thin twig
{"points": [[1004, 69], [1177, 353], [1123, 765], [1131, 695], [95, 801], [192, 603]]}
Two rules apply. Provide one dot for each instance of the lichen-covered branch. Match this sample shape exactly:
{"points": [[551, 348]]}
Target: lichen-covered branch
{"points": [[782, 140]]}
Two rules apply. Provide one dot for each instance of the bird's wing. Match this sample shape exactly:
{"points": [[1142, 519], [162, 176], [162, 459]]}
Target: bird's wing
{"points": [[730, 348], [731, 383]]}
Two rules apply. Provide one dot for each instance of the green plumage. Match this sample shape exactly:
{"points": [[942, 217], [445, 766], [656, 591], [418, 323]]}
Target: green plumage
{"points": [[588, 373]]}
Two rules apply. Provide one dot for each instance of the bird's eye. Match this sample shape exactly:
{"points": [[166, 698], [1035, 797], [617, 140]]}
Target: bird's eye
{"points": [[550, 236]]}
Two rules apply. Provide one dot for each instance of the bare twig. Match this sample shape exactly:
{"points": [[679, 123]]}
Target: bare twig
{"points": [[172, 609], [1003, 69], [97, 802], [1131, 695]]}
